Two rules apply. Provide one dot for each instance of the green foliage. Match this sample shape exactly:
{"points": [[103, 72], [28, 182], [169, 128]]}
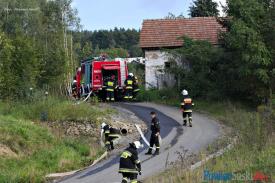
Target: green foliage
{"points": [[114, 52], [195, 67], [138, 70], [249, 43], [39, 152], [108, 39], [168, 96], [204, 8], [34, 45]]}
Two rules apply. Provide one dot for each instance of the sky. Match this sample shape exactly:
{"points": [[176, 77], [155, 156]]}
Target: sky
{"points": [[108, 14]]}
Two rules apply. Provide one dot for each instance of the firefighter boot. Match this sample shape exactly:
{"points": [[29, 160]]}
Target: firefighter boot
{"points": [[149, 151], [124, 180], [184, 122], [112, 145], [190, 122], [108, 147], [157, 151]]}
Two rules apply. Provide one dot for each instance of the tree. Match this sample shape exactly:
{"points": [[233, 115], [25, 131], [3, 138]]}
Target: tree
{"points": [[249, 43], [173, 16], [204, 8], [127, 39], [37, 48], [195, 67]]}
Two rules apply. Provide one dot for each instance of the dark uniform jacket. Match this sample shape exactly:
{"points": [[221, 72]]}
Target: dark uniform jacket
{"points": [[110, 132], [187, 104], [155, 126], [129, 162]]}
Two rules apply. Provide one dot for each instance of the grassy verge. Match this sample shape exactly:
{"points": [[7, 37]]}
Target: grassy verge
{"points": [[29, 151], [53, 109], [254, 151]]}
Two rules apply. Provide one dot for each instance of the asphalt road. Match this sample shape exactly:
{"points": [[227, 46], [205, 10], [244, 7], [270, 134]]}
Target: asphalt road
{"points": [[174, 138]]}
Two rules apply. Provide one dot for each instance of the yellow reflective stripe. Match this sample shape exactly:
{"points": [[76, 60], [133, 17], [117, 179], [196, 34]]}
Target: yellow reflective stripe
{"points": [[182, 103], [109, 83], [114, 135], [110, 89], [107, 131], [129, 82], [107, 142], [188, 100], [126, 154], [129, 87], [188, 110], [125, 170], [134, 181]]}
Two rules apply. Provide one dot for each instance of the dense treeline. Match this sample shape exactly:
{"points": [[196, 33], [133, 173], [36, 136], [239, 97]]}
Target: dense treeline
{"points": [[35, 45], [243, 67], [102, 40]]}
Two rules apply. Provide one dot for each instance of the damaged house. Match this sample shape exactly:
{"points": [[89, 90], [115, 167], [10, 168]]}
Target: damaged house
{"points": [[160, 34]]}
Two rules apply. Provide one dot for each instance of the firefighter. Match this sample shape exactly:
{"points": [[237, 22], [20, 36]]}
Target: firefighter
{"points": [[110, 135], [110, 88], [74, 89], [129, 165], [155, 134], [135, 86], [186, 108], [129, 87]]}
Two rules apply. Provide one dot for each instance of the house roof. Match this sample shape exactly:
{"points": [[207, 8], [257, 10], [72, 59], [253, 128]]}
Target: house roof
{"points": [[161, 33]]}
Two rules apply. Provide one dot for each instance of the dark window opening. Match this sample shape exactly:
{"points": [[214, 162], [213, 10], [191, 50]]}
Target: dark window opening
{"points": [[167, 65]]}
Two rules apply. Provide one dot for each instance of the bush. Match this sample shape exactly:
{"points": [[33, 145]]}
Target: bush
{"points": [[165, 96]]}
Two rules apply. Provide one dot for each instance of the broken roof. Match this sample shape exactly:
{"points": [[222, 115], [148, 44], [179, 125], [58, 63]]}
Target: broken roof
{"points": [[161, 33]]}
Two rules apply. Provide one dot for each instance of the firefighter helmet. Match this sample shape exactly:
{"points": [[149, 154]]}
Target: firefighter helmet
{"points": [[184, 92], [137, 144], [75, 81], [131, 74]]}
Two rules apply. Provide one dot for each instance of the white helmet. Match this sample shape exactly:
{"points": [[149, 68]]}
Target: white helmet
{"points": [[131, 74], [184, 92], [103, 125], [137, 144], [75, 81]]}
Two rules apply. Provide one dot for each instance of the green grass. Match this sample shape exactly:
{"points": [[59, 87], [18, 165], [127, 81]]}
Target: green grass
{"points": [[55, 109], [35, 149], [39, 151], [255, 148]]}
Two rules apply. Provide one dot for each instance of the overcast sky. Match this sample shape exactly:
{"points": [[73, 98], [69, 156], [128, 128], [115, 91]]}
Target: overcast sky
{"points": [[107, 14]]}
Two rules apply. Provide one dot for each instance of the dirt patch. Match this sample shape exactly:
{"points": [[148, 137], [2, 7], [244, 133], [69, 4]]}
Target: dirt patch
{"points": [[5, 151]]}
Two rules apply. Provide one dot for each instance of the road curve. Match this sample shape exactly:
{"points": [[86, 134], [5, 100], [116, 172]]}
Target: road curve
{"points": [[174, 136]]}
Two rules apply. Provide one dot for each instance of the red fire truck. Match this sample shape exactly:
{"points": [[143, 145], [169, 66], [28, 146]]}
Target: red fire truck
{"points": [[94, 73]]}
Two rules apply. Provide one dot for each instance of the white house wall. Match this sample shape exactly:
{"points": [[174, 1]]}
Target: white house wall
{"points": [[154, 66]]}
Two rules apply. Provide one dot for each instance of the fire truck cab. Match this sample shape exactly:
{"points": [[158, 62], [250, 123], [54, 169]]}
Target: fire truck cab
{"points": [[95, 73]]}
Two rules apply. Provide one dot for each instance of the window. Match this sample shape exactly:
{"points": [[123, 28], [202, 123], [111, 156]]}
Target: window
{"points": [[167, 65]]}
